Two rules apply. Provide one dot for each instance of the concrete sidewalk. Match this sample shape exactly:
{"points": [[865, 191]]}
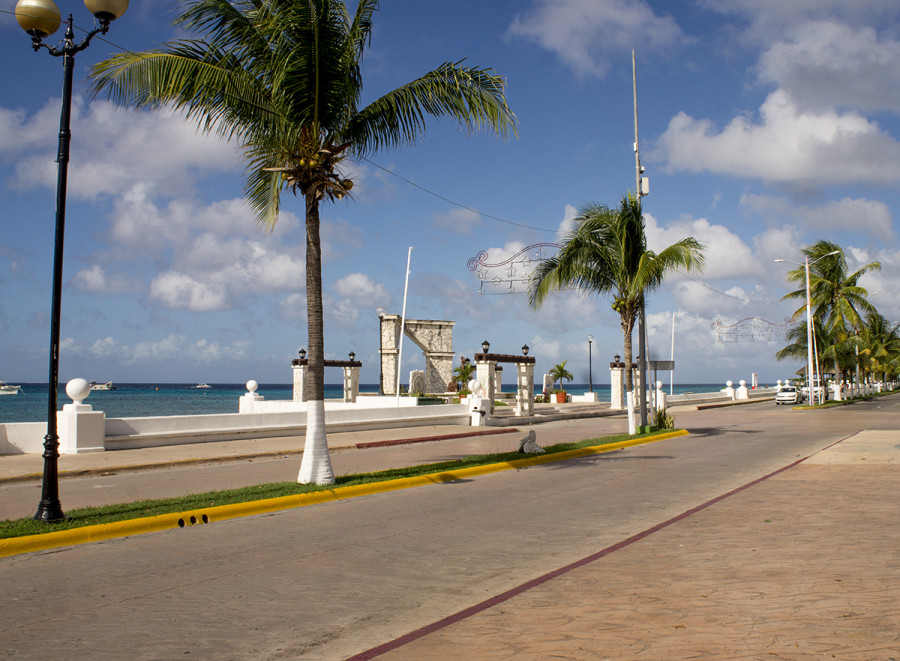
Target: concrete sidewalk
{"points": [[19, 467], [802, 564]]}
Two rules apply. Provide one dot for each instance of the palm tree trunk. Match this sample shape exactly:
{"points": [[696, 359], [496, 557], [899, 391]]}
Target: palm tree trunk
{"points": [[315, 466], [627, 323], [629, 366]]}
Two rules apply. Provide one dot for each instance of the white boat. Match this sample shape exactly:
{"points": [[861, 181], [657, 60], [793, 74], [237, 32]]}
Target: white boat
{"points": [[6, 389], [102, 386], [202, 385]]}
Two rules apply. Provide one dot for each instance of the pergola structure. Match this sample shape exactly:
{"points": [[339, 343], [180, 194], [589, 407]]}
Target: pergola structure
{"points": [[485, 370]]}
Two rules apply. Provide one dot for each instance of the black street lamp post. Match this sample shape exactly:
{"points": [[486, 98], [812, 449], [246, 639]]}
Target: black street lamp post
{"points": [[41, 18], [590, 339]]}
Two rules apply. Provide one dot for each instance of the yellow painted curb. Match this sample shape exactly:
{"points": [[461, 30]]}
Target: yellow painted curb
{"points": [[85, 534]]}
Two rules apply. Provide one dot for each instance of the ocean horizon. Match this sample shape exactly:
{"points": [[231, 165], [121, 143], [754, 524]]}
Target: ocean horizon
{"points": [[134, 400]]}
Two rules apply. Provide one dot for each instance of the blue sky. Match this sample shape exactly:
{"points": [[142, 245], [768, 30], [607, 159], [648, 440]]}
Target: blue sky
{"points": [[765, 126]]}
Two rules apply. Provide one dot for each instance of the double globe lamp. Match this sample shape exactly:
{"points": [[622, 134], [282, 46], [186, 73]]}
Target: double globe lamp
{"points": [[40, 19]]}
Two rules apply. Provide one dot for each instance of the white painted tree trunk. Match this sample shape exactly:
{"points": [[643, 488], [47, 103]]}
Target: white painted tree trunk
{"points": [[315, 468]]}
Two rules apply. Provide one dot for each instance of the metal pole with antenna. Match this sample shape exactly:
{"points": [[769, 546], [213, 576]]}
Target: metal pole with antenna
{"points": [[638, 193]]}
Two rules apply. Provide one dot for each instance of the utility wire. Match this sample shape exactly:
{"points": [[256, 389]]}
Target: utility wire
{"points": [[453, 202]]}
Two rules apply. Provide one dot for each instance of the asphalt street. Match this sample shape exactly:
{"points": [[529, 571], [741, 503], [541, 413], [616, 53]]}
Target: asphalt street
{"points": [[328, 581]]}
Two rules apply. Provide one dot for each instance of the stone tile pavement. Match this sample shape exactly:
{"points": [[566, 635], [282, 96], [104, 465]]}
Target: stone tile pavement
{"points": [[803, 564]]}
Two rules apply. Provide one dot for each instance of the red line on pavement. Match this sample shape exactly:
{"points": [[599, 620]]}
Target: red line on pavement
{"points": [[540, 580], [424, 439]]}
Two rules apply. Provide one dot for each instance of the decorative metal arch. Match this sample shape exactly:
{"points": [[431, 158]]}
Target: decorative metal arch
{"points": [[512, 275], [751, 329]]}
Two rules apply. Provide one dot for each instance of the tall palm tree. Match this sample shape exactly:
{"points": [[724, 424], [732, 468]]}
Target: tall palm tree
{"points": [[606, 252], [284, 78], [835, 294]]}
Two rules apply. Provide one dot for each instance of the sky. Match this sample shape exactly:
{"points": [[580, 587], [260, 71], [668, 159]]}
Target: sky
{"points": [[765, 126]]}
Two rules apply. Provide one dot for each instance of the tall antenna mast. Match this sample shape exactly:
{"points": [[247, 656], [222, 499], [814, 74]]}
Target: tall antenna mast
{"points": [[638, 194], [637, 153], [641, 184]]}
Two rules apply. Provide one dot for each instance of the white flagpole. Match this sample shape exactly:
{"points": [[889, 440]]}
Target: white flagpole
{"points": [[403, 324], [672, 376]]}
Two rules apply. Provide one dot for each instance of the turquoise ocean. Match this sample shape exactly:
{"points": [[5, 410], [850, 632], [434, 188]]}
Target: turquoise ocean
{"points": [[133, 400]]}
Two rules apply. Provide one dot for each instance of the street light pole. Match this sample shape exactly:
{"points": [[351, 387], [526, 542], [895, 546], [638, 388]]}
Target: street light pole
{"points": [[590, 339], [380, 311], [41, 18], [809, 327]]}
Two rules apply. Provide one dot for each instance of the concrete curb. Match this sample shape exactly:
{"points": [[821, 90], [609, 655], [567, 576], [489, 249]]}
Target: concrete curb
{"points": [[86, 534]]}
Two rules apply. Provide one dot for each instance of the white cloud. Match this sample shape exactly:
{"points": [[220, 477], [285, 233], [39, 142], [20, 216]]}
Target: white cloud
{"points": [[458, 221], [726, 254], [356, 292], [786, 146], [112, 148], [182, 292], [863, 216], [587, 35], [770, 20], [293, 306], [567, 224], [173, 346], [832, 65], [96, 280]]}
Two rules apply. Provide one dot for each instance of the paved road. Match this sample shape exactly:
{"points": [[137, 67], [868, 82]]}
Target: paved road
{"points": [[328, 581]]}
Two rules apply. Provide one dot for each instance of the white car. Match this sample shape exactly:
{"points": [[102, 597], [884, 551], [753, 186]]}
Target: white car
{"points": [[789, 395]]}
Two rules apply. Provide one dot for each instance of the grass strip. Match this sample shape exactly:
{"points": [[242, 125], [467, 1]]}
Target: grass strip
{"points": [[90, 516]]}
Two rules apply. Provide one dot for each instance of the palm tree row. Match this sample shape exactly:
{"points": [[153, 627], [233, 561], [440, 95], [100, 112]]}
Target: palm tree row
{"points": [[849, 334]]}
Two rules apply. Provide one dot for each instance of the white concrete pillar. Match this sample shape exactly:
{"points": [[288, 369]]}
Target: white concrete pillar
{"points": [[80, 428], [616, 386], [351, 383], [249, 398], [484, 372], [729, 391], [660, 397], [299, 383], [524, 388], [741, 392]]}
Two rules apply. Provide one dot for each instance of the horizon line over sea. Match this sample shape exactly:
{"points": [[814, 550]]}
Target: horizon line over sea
{"points": [[135, 400]]}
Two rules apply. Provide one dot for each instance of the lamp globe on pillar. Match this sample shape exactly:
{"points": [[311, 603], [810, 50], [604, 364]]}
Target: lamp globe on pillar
{"points": [[302, 353], [485, 346], [41, 18], [524, 349], [352, 356]]}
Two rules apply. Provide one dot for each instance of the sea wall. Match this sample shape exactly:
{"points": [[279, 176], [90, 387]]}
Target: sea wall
{"points": [[130, 433]]}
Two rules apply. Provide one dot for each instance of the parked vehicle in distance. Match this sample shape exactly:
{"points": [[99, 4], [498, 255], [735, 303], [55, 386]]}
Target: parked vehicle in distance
{"points": [[819, 390], [789, 395]]}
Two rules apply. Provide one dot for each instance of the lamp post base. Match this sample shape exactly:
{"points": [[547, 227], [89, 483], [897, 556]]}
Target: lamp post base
{"points": [[49, 511]]}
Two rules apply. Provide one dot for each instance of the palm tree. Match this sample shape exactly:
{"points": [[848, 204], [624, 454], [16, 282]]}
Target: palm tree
{"points": [[559, 373], [796, 348], [880, 345], [607, 252], [284, 79], [835, 294]]}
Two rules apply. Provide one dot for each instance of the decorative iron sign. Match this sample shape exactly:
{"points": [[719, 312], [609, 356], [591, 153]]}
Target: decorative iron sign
{"points": [[751, 329], [513, 275]]}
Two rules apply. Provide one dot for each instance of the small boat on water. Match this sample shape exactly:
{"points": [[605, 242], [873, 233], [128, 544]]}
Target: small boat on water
{"points": [[202, 385], [6, 389], [102, 386]]}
